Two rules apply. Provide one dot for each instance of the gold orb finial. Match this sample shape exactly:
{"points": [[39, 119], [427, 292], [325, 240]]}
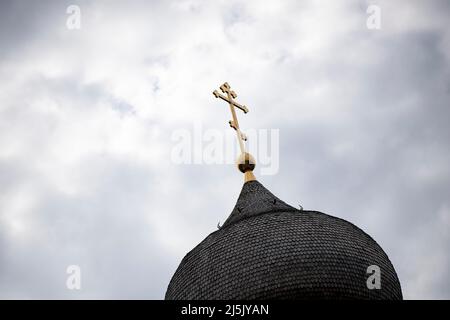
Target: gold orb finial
{"points": [[246, 164]]}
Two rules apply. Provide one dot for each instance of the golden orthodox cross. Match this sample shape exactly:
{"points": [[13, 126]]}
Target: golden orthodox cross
{"points": [[245, 161], [230, 95]]}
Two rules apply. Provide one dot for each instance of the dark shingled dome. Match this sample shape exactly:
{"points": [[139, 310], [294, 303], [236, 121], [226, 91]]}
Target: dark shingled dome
{"points": [[267, 249]]}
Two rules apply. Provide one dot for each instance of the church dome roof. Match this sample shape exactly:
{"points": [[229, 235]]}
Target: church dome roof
{"points": [[267, 249]]}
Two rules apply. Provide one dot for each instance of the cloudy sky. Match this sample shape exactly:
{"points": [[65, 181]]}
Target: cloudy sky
{"points": [[88, 119]]}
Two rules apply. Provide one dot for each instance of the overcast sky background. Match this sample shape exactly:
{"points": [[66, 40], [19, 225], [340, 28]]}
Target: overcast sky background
{"points": [[86, 119]]}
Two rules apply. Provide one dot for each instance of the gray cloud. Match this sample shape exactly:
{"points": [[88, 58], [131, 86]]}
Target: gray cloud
{"points": [[86, 119]]}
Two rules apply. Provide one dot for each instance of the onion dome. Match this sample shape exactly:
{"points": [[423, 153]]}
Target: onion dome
{"points": [[267, 249]]}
